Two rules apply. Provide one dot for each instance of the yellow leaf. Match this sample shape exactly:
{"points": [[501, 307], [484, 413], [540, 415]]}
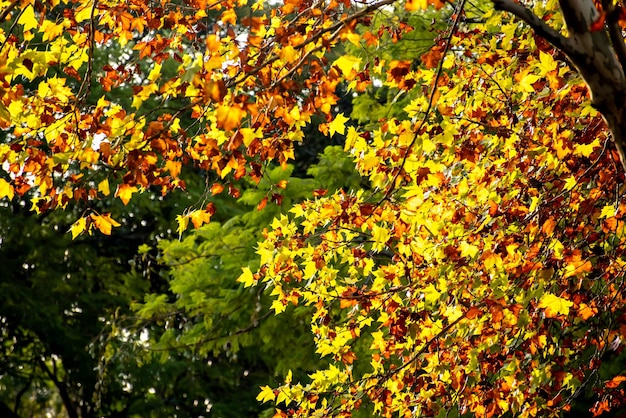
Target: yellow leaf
{"points": [[278, 306], [103, 187], [183, 223], [6, 189], [554, 305], [50, 30], [267, 394], [607, 212], [249, 135], [381, 236], [570, 183], [575, 268], [288, 53], [338, 124], [78, 227], [546, 63], [347, 64], [247, 278], [586, 149], [534, 203], [27, 19], [173, 167], [431, 294], [104, 223], [468, 250], [83, 13], [412, 5], [155, 73], [526, 82], [125, 192]]}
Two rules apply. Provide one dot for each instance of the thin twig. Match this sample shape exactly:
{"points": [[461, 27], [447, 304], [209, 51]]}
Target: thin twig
{"points": [[8, 10], [431, 100], [86, 84]]}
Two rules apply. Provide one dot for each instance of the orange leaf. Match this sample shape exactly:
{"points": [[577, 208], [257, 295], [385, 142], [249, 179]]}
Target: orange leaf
{"points": [[431, 58], [104, 223], [585, 311], [125, 192], [174, 167], [473, 312], [615, 382], [228, 118], [548, 226], [262, 204], [199, 217], [216, 188]]}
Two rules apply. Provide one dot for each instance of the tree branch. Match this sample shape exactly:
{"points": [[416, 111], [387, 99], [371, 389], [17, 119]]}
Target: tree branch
{"points": [[65, 396], [7, 412], [8, 10], [579, 15], [615, 34], [539, 26]]}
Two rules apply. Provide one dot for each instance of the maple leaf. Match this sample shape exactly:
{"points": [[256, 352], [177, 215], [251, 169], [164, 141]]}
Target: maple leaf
{"points": [[78, 227], [125, 192], [217, 188], [27, 19], [267, 394], [183, 223], [432, 58], [554, 305], [199, 217], [347, 64], [247, 278], [6, 189], [546, 63], [104, 223], [608, 211], [338, 124], [585, 311], [103, 187]]}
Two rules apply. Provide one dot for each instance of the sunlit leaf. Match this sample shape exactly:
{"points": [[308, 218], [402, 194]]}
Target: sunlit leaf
{"points": [[554, 305]]}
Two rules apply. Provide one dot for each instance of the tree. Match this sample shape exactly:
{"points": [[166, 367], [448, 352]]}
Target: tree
{"points": [[207, 316], [60, 297], [479, 271]]}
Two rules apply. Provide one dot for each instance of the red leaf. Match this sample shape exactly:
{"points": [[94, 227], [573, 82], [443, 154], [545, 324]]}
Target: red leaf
{"points": [[598, 24]]}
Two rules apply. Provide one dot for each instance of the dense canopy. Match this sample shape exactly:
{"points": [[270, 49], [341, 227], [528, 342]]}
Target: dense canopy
{"points": [[462, 253]]}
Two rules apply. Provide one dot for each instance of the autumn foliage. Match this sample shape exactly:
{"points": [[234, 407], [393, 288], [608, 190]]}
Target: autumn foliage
{"points": [[482, 268]]}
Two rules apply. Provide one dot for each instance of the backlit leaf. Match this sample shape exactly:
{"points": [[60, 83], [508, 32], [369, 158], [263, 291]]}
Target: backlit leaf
{"points": [[554, 305], [347, 64], [266, 394], [104, 223], [78, 227], [125, 192], [27, 19], [338, 125]]}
